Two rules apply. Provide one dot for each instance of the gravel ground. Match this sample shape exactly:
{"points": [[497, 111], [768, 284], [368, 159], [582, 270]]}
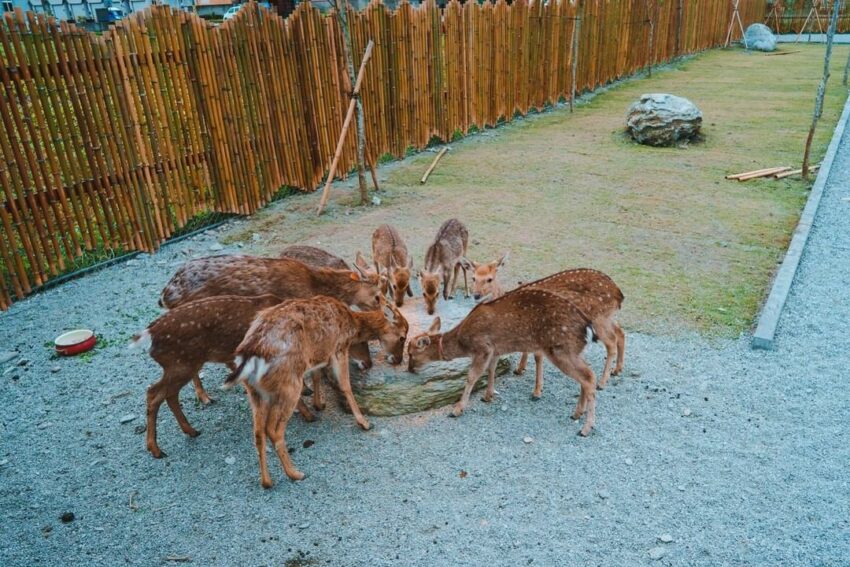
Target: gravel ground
{"points": [[704, 452]]}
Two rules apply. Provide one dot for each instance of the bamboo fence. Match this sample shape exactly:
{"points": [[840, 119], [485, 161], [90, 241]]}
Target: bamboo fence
{"points": [[791, 16], [114, 142]]}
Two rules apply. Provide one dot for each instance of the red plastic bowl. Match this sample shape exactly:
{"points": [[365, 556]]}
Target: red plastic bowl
{"points": [[75, 342]]}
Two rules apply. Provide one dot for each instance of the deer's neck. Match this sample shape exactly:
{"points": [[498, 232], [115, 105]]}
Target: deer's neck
{"points": [[369, 324], [449, 347]]}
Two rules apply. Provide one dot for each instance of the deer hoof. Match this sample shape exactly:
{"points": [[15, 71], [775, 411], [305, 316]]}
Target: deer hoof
{"points": [[206, 400], [266, 483], [297, 475], [157, 453], [584, 432], [519, 371], [536, 397], [486, 399], [193, 433], [364, 425], [455, 413]]}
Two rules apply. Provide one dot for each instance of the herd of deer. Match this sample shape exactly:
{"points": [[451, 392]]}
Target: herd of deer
{"points": [[274, 321]]}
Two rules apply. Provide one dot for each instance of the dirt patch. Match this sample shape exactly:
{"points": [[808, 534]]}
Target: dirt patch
{"points": [[691, 250]]}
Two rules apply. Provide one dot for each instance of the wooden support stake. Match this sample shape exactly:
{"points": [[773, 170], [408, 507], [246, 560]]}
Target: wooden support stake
{"points": [[735, 16], [348, 116], [767, 170], [785, 174], [433, 165], [830, 34]]}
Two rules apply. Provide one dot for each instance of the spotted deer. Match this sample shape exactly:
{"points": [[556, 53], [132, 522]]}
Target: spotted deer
{"points": [[318, 258], [592, 291], [526, 320], [442, 262], [288, 341], [184, 339], [254, 275], [390, 254]]}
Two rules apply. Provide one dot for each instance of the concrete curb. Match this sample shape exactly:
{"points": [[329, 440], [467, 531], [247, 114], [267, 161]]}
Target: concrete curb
{"points": [[763, 338], [839, 38]]}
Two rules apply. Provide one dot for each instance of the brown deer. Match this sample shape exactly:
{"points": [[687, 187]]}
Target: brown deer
{"points": [[313, 256], [526, 320], [592, 291], [390, 254], [185, 338], [318, 258], [442, 261], [253, 275], [288, 341]]}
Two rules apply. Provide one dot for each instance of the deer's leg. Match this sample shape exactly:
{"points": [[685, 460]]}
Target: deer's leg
{"points": [[202, 395], [538, 376], [621, 349], [446, 282], [305, 412], [479, 363], [454, 281], [340, 366], [157, 392], [523, 362], [608, 336], [465, 283], [318, 396], [276, 426], [576, 368], [261, 412], [174, 405], [491, 380]]}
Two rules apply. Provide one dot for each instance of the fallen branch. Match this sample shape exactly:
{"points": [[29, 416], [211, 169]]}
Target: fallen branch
{"points": [[132, 505], [179, 558], [782, 53], [433, 165]]}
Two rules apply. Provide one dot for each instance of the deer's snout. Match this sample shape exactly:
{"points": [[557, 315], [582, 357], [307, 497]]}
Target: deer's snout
{"points": [[476, 296]]}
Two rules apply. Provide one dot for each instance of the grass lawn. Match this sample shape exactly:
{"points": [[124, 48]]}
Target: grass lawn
{"points": [[692, 251]]}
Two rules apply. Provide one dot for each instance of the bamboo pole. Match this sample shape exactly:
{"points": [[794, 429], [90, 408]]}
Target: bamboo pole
{"points": [[830, 34], [428, 171], [574, 58], [351, 106]]}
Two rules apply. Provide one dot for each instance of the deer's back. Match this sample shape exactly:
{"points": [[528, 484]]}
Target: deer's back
{"points": [[310, 329], [388, 247], [237, 275], [592, 291], [448, 246], [313, 256], [205, 330], [526, 320]]}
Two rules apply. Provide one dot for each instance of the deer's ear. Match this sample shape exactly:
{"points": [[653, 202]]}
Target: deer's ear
{"points": [[466, 264], [423, 341], [360, 261], [410, 261], [389, 314], [435, 326], [502, 260], [354, 276]]}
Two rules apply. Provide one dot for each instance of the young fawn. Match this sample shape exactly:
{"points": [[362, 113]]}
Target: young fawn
{"points": [[526, 320], [443, 262], [253, 275], [185, 338], [288, 341], [592, 291], [390, 254]]}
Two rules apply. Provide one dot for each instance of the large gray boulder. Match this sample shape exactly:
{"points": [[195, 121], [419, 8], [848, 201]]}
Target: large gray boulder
{"points": [[386, 390], [760, 38], [663, 120]]}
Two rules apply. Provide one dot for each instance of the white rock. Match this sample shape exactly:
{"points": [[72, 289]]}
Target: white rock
{"points": [[657, 553], [604, 494], [665, 538], [681, 487], [6, 356], [686, 412], [216, 247], [376, 200], [256, 237], [230, 460], [760, 38], [661, 119], [44, 425], [629, 462], [527, 439], [127, 418]]}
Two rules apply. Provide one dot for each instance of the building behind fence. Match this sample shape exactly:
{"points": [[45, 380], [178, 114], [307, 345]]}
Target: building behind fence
{"points": [[113, 142]]}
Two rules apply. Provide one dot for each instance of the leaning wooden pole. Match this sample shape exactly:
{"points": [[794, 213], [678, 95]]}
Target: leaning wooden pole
{"points": [[574, 59], [342, 13], [830, 33], [346, 123]]}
